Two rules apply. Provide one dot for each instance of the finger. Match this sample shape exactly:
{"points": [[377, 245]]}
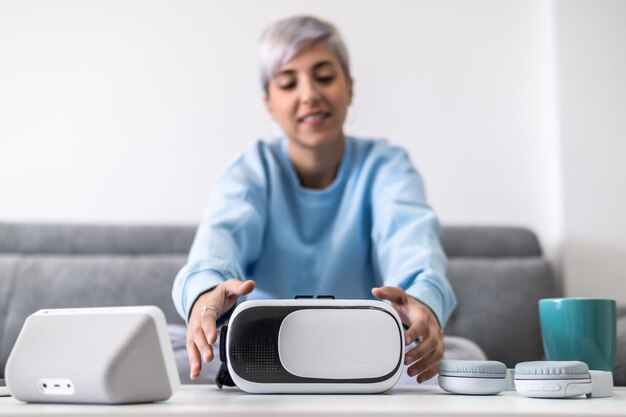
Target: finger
{"points": [[238, 288], [424, 364], [429, 360], [199, 338], [394, 294], [428, 374], [420, 351], [209, 326], [194, 359], [417, 331], [246, 287]]}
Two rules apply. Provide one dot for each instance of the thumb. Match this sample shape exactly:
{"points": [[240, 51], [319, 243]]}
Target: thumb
{"points": [[239, 288], [394, 294]]}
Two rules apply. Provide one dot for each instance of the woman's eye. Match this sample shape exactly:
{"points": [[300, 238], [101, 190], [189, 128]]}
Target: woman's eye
{"points": [[287, 86], [325, 79], [285, 81]]}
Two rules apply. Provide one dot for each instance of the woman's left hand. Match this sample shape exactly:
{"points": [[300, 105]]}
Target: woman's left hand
{"points": [[423, 326]]}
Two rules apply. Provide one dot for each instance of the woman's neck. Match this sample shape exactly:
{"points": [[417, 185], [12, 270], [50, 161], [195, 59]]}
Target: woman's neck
{"points": [[317, 167]]}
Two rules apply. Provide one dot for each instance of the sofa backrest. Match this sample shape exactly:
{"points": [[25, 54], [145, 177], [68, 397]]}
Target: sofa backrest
{"points": [[497, 272], [76, 239]]}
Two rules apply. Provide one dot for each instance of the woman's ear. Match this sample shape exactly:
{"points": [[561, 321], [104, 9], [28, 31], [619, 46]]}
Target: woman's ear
{"points": [[350, 89], [268, 104]]}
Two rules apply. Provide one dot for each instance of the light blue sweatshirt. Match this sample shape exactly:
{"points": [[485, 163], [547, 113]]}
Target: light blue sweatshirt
{"points": [[370, 227]]}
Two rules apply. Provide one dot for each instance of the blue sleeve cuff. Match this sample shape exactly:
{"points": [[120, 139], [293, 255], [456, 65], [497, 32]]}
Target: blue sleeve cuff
{"points": [[196, 285], [431, 296]]}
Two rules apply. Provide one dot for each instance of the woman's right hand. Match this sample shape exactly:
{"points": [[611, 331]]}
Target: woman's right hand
{"points": [[202, 328]]}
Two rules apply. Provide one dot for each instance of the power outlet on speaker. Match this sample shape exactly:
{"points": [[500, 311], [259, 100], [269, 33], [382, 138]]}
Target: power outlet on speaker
{"points": [[56, 386]]}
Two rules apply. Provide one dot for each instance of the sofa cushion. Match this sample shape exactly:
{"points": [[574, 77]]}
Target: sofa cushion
{"points": [[8, 268], [497, 273], [497, 305], [30, 283]]}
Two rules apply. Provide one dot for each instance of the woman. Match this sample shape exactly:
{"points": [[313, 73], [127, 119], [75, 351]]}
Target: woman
{"points": [[316, 212]]}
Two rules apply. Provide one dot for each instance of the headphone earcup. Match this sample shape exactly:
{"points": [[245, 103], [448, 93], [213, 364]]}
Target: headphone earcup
{"points": [[552, 379], [472, 377]]}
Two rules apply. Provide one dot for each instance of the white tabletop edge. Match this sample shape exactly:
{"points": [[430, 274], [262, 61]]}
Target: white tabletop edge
{"points": [[196, 400]]}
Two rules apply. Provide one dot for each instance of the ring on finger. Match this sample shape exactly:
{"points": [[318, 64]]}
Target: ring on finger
{"points": [[207, 308]]}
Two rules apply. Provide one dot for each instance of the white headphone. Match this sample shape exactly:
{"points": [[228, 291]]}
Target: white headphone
{"points": [[541, 379]]}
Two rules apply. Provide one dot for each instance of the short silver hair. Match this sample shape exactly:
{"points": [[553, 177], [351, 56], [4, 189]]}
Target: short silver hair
{"points": [[284, 39]]}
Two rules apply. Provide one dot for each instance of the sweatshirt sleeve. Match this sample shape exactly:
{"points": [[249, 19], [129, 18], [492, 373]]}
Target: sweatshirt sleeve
{"points": [[405, 233], [229, 237]]}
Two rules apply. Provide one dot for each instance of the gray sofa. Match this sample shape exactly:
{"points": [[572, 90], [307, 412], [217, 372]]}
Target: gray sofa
{"points": [[498, 274]]}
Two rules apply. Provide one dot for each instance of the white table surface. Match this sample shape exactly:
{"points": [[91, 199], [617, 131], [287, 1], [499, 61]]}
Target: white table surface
{"points": [[207, 400]]}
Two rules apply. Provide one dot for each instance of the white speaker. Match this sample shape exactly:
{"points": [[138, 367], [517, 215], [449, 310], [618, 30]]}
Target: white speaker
{"points": [[105, 355]]}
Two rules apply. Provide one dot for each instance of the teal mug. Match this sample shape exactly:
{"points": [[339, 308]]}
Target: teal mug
{"points": [[582, 329]]}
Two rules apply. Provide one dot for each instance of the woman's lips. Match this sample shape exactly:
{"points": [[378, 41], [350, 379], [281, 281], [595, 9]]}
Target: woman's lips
{"points": [[315, 118]]}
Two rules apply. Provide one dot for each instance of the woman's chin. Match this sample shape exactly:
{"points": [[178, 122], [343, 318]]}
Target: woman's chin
{"points": [[314, 141]]}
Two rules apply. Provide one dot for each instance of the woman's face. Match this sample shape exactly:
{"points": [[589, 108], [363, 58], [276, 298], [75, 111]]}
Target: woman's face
{"points": [[309, 97]]}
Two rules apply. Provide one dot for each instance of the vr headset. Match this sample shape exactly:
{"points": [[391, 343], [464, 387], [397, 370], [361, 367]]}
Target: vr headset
{"points": [[312, 345]]}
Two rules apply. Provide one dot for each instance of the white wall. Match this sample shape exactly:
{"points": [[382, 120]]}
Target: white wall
{"points": [[124, 111], [592, 58]]}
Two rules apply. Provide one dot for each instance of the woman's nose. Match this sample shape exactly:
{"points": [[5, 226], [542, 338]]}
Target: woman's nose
{"points": [[309, 93]]}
